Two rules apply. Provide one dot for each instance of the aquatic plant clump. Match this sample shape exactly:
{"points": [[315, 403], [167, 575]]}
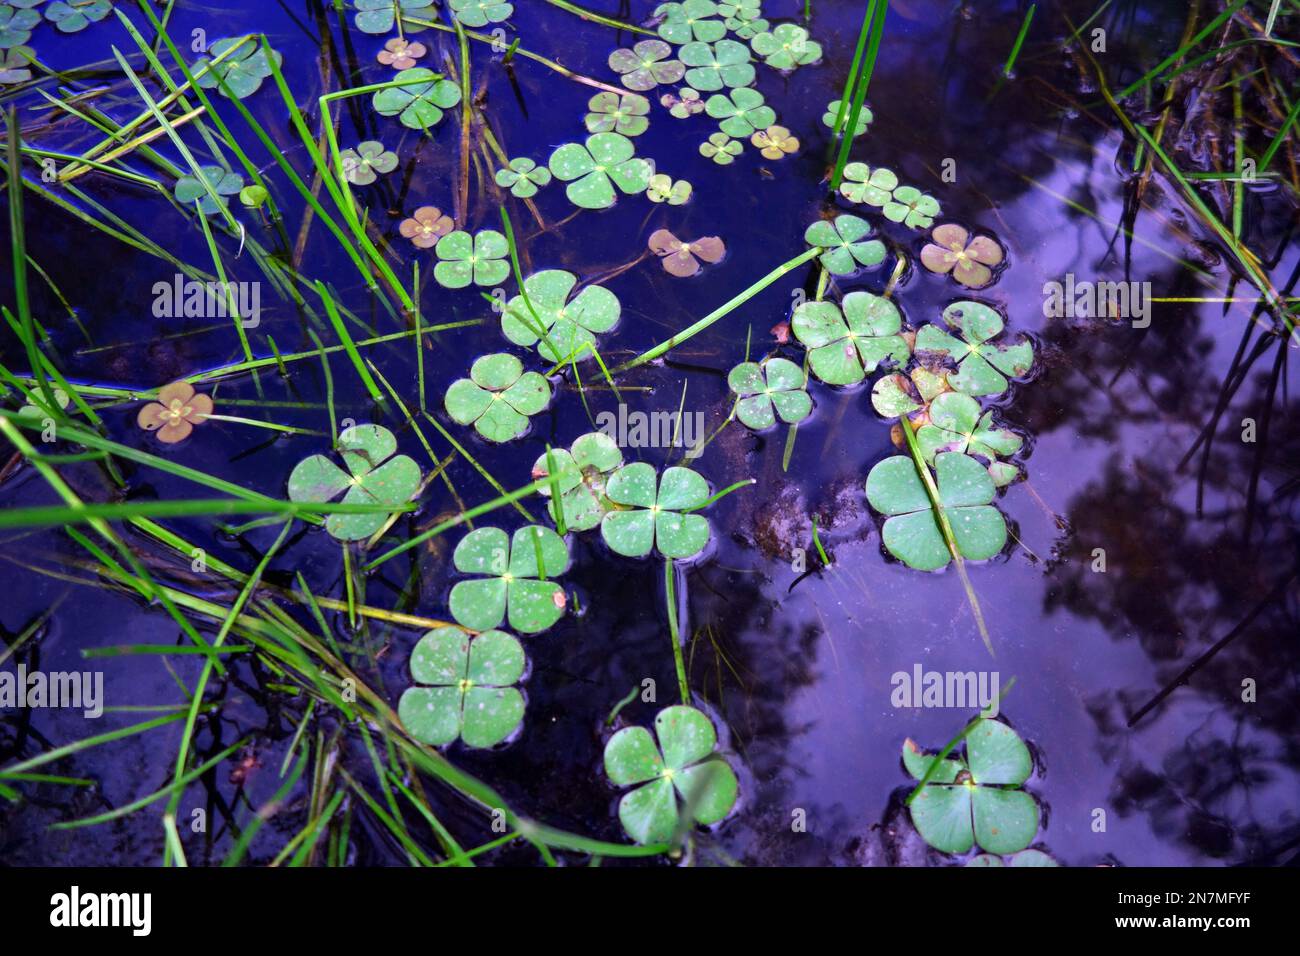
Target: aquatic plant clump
{"points": [[398, 215]]}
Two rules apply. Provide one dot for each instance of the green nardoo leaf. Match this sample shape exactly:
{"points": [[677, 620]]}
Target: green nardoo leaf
{"points": [[997, 755], [512, 589], [918, 763], [1006, 821], [682, 770], [418, 103], [657, 518], [470, 696], [373, 476], [942, 815], [911, 532]]}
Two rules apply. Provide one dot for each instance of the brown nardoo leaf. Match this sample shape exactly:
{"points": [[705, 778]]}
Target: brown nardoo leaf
{"points": [[971, 274], [176, 412], [951, 235], [175, 431], [558, 599], [200, 408], [709, 248], [150, 417], [175, 392], [663, 243], [401, 54], [986, 250], [681, 264], [781, 332], [938, 259], [426, 226]]}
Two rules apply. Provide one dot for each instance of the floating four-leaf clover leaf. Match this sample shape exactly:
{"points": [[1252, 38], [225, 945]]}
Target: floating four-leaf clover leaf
{"points": [[969, 260], [774, 388], [775, 142], [863, 184], [466, 690], [911, 207], [190, 188], [517, 585], [982, 366], [684, 764], [479, 13], [523, 177], [976, 800], [743, 18], [612, 113], [864, 120], [74, 16], [16, 25], [742, 112], [956, 425], [724, 64], [562, 326], [15, 61], [685, 103], [593, 170], [498, 397], [721, 148], [401, 53], [663, 188], [845, 239], [363, 165], [690, 20], [786, 47], [374, 476], [682, 259], [581, 474], [239, 74], [480, 259], [896, 395], [35, 408], [172, 418], [646, 65], [426, 226], [419, 102], [380, 16], [911, 532], [845, 346], [649, 517], [745, 10]]}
